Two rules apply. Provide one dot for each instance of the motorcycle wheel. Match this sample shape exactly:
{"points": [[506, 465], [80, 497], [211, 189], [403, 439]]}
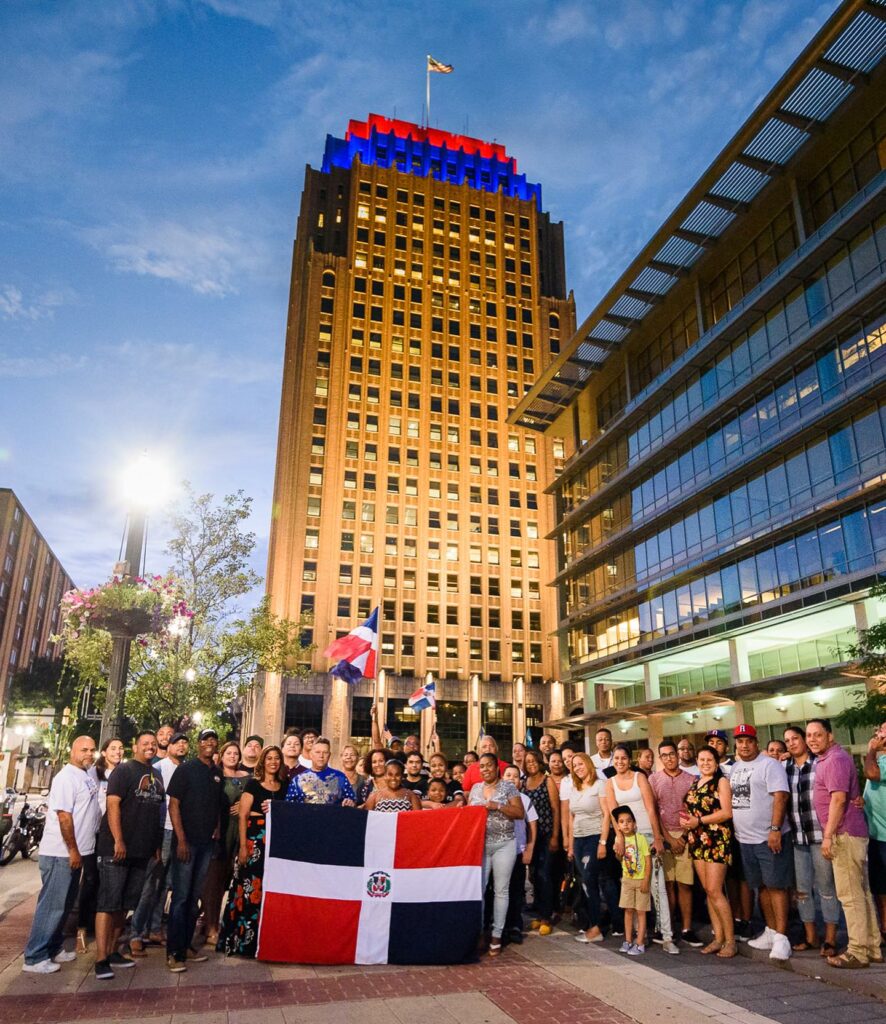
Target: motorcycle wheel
{"points": [[9, 849]]}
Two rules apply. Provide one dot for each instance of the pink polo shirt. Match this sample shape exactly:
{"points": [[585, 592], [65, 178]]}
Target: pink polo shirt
{"points": [[670, 792], [835, 773]]}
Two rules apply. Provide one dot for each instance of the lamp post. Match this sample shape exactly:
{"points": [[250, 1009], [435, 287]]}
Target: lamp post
{"points": [[142, 484], [24, 732]]}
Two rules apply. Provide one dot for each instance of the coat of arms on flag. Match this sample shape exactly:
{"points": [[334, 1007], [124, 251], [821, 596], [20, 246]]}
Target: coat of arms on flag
{"points": [[424, 697], [357, 652], [343, 886]]}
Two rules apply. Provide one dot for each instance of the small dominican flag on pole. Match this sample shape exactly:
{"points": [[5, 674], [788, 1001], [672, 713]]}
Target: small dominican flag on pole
{"points": [[481, 735], [425, 697], [357, 652]]}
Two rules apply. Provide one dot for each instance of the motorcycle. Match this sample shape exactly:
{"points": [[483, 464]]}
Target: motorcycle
{"points": [[7, 803], [26, 833]]}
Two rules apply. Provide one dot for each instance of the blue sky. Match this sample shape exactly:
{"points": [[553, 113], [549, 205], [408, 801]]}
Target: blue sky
{"points": [[151, 162]]}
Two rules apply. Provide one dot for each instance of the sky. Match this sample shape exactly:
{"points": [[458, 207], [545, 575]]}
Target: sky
{"points": [[152, 157]]}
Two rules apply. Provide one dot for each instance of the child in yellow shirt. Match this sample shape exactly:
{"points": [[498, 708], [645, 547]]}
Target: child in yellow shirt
{"points": [[636, 871]]}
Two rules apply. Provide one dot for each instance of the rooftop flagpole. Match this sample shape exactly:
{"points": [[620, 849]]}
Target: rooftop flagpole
{"points": [[428, 92]]}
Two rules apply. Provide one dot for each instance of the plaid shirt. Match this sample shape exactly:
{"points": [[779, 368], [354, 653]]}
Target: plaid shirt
{"points": [[802, 818]]}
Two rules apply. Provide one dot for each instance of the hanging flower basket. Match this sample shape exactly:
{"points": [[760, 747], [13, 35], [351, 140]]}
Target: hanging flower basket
{"points": [[132, 608]]}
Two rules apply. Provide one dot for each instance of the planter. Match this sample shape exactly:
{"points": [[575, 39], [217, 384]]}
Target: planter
{"points": [[123, 622]]}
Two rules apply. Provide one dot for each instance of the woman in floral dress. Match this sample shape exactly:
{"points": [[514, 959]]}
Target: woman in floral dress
{"points": [[708, 824], [240, 920]]}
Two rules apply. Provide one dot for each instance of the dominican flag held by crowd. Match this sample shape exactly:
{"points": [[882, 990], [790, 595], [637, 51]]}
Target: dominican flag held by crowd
{"points": [[357, 653], [381, 888], [425, 697]]}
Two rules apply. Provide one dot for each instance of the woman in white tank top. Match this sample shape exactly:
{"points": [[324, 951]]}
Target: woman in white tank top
{"points": [[632, 789]]}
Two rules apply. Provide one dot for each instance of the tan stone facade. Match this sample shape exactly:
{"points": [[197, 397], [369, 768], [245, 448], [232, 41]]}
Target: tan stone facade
{"points": [[420, 312]]}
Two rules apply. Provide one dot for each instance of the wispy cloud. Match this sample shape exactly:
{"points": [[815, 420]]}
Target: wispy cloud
{"points": [[47, 365], [15, 306], [201, 256]]}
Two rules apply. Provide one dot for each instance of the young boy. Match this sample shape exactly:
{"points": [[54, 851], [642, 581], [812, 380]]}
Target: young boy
{"points": [[436, 795], [636, 870]]}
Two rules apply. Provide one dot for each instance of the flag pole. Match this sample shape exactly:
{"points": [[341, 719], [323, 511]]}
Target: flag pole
{"points": [[428, 92]]}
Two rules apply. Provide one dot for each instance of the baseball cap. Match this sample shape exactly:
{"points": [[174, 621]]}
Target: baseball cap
{"points": [[249, 739], [207, 734], [178, 736], [395, 739], [745, 730], [716, 734]]}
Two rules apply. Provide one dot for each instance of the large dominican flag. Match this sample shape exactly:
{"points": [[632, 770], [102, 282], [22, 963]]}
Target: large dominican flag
{"points": [[344, 886]]}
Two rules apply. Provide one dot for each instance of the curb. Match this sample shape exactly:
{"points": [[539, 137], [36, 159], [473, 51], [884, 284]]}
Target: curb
{"points": [[870, 982]]}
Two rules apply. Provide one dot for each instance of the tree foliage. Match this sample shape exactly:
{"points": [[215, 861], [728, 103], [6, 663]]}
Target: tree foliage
{"points": [[869, 655], [216, 657]]}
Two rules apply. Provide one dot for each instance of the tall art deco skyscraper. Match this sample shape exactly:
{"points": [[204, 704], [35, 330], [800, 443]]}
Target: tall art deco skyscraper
{"points": [[428, 294]]}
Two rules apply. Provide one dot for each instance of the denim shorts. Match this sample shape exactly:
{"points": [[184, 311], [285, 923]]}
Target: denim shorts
{"points": [[763, 867], [120, 884]]}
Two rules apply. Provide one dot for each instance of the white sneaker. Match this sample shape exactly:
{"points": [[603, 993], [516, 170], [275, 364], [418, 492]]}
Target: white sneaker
{"points": [[668, 946], [781, 947], [763, 941], [64, 956], [44, 967]]}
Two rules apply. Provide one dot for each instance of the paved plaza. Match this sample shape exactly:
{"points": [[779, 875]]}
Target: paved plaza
{"points": [[545, 979]]}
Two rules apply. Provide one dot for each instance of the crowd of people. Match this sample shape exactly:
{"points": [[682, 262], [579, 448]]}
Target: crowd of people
{"points": [[177, 835]]}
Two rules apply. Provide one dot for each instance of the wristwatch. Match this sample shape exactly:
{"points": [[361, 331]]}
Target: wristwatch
{"points": [[775, 828]]}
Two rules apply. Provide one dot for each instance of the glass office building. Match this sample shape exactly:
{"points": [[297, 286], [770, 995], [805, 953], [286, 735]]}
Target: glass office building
{"points": [[721, 516]]}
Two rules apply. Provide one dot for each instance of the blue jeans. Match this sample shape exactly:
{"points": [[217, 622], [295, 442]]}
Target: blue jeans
{"points": [[187, 880], [148, 914], [814, 878], [56, 899], [499, 862], [541, 878], [584, 850]]}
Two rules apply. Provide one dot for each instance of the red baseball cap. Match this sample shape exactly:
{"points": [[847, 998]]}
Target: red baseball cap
{"points": [[745, 730]]}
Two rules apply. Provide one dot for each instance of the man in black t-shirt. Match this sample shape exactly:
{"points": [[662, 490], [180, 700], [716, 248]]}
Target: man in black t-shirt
{"points": [[196, 795], [129, 835], [414, 779]]}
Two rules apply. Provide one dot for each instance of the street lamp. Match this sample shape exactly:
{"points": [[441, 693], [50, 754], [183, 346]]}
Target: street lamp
{"points": [[143, 485]]}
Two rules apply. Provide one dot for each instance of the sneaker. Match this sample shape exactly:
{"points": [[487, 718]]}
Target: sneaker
{"points": [[742, 930], [44, 967], [119, 960], [515, 935], [581, 937], [616, 934], [764, 940], [657, 937], [196, 958], [690, 938], [625, 947], [781, 947], [669, 947], [137, 947], [64, 956], [103, 970], [638, 950], [176, 966]]}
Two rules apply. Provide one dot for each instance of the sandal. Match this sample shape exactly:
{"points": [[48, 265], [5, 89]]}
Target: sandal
{"points": [[494, 948], [804, 946], [712, 947], [828, 949], [847, 962], [82, 944], [729, 950]]}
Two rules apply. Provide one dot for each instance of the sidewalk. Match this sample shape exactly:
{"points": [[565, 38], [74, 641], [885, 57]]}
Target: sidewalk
{"points": [[552, 978]]}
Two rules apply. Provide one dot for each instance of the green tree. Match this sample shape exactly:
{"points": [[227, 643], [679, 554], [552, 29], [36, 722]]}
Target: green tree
{"points": [[869, 655], [214, 657]]}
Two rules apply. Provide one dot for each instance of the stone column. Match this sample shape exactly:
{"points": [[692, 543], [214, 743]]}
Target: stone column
{"points": [[655, 734], [557, 707], [739, 668], [650, 680], [519, 710], [473, 710], [266, 707], [426, 722]]}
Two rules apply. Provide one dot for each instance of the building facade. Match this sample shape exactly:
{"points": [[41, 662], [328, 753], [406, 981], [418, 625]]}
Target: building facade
{"points": [[32, 582], [428, 294], [721, 516]]}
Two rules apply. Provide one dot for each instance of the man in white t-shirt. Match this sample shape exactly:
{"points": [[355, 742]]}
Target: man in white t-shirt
{"points": [[603, 758], [69, 835], [760, 792], [148, 915]]}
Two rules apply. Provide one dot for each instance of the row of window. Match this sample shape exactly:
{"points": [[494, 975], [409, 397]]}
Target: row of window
{"points": [[394, 515], [374, 368], [396, 343], [766, 339], [798, 396], [455, 206], [410, 485], [849, 452], [849, 544], [449, 583]]}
